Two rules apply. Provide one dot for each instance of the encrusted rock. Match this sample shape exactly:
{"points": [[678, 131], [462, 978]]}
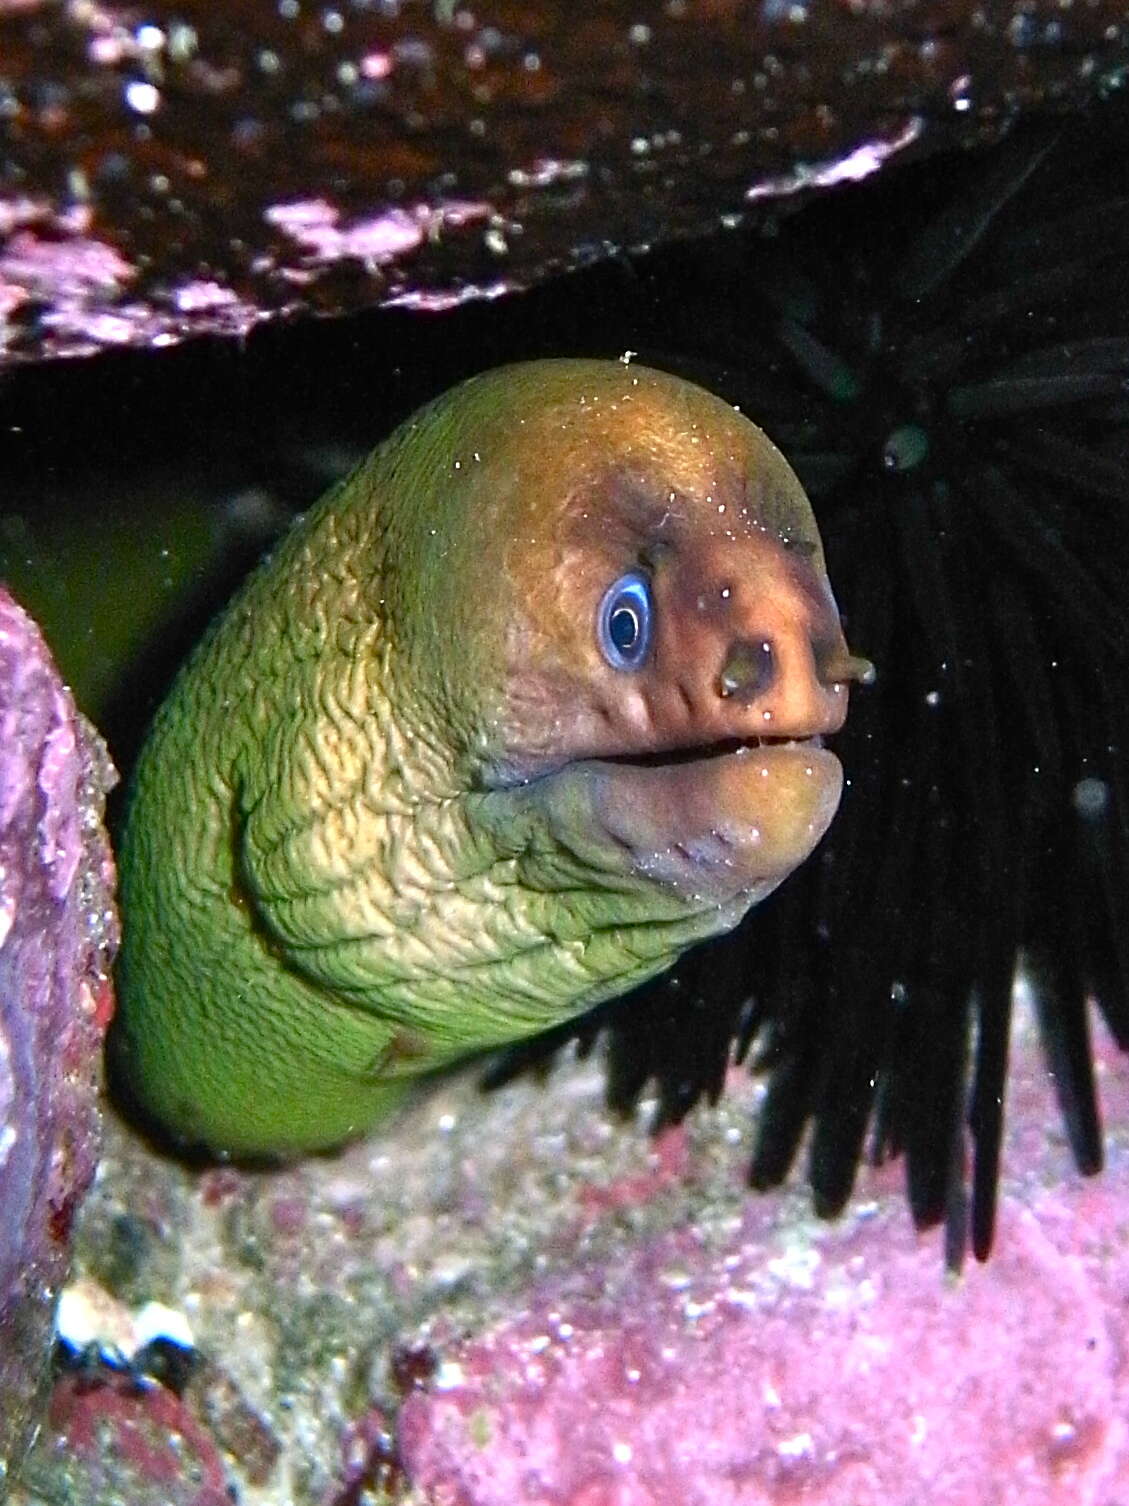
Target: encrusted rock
{"points": [[57, 935], [173, 169]]}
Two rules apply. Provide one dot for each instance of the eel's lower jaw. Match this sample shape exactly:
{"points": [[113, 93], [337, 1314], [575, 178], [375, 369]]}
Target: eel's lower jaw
{"points": [[723, 827], [721, 824]]}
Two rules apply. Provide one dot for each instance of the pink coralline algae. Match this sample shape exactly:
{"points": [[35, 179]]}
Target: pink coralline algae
{"points": [[776, 1361], [57, 935], [131, 1441], [851, 1385]]}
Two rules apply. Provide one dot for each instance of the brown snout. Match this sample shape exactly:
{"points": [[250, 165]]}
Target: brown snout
{"points": [[754, 643]]}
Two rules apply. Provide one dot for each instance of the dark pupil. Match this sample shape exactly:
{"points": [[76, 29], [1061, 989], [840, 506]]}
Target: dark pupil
{"points": [[623, 629]]}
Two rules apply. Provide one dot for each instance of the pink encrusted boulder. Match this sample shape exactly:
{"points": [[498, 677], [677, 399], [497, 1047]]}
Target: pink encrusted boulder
{"points": [[854, 1377], [766, 1358], [58, 931]]}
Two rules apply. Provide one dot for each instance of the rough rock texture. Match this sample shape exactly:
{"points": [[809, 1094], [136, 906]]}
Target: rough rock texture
{"points": [[514, 1299], [755, 1370], [160, 1453], [175, 168], [57, 933]]}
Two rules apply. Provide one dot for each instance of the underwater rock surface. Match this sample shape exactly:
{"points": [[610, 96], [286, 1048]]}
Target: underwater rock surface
{"points": [[57, 936], [766, 1368], [180, 168], [513, 1298]]}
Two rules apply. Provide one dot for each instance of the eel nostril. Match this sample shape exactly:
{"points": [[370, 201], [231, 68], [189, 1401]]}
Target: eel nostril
{"points": [[836, 664], [748, 671]]}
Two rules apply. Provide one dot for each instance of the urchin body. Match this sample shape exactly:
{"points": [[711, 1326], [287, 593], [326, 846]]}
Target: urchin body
{"points": [[523, 708]]}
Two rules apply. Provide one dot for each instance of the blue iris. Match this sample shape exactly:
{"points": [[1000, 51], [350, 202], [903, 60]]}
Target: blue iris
{"points": [[624, 621]]}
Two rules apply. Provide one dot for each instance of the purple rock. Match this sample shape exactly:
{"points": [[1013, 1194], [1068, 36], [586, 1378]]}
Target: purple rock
{"points": [[768, 1359], [58, 930]]}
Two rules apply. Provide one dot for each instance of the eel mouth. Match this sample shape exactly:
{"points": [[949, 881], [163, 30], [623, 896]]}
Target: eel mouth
{"points": [[703, 752], [529, 770], [720, 823], [725, 822]]}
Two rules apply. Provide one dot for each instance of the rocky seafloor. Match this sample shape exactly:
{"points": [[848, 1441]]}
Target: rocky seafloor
{"points": [[514, 1298]]}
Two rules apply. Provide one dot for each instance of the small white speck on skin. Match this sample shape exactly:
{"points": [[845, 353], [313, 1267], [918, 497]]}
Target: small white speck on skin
{"points": [[622, 1452]]}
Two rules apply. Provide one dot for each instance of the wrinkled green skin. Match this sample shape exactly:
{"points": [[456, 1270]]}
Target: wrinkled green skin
{"points": [[353, 850]]}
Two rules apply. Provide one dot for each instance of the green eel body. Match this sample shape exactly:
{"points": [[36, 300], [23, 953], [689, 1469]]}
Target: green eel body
{"points": [[412, 797]]}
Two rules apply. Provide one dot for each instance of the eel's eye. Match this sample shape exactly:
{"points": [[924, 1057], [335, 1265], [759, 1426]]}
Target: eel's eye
{"points": [[624, 621]]}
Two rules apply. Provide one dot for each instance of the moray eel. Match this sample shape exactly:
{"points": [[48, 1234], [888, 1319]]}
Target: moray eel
{"points": [[524, 707]]}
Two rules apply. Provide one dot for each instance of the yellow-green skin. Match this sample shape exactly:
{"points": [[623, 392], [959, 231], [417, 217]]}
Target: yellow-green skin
{"points": [[375, 826]]}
